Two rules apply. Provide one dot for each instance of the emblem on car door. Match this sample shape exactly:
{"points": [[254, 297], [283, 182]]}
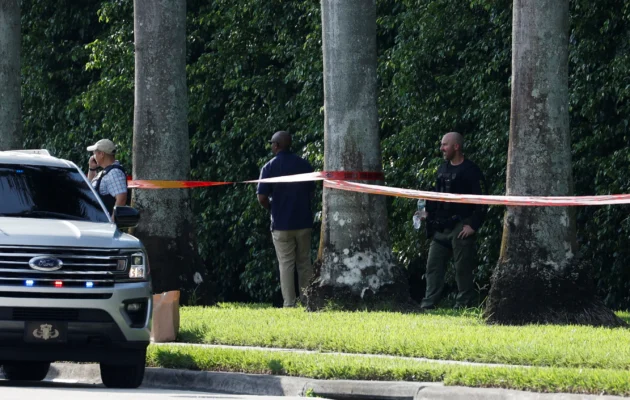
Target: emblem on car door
{"points": [[45, 263]]}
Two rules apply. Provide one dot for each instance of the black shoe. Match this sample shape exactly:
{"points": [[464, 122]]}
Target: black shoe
{"points": [[427, 308]]}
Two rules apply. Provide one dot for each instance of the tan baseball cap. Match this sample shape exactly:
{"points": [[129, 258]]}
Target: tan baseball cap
{"points": [[104, 145]]}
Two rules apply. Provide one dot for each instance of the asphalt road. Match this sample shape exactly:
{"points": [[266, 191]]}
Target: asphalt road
{"points": [[72, 391]]}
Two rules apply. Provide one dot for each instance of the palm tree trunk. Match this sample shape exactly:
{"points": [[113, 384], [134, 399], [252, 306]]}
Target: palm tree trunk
{"points": [[160, 143], [10, 96], [355, 266], [539, 277]]}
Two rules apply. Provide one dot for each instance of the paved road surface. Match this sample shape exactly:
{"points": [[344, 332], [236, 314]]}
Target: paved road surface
{"points": [[69, 391]]}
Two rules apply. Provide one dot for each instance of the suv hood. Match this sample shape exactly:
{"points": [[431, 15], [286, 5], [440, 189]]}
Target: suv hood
{"points": [[57, 232]]}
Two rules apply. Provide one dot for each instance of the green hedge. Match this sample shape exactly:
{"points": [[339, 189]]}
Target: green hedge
{"points": [[256, 66]]}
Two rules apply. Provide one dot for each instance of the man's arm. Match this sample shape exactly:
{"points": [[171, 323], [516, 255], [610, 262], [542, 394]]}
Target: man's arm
{"points": [[92, 165], [431, 206], [118, 186], [121, 199], [264, 189], [264, 201]]}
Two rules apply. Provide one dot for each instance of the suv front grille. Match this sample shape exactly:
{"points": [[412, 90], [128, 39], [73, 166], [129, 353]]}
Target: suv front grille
{"points": [[80, 266], [62, 295], [53, 314]]}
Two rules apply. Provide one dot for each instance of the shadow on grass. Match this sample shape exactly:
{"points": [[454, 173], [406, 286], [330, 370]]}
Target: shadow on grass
{"points": [[473, 312], [251, 306], [169, 359], [190, 335], [276, 368]]}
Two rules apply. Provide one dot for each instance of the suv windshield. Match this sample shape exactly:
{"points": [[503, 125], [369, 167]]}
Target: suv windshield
{"points": [[41, 191]]}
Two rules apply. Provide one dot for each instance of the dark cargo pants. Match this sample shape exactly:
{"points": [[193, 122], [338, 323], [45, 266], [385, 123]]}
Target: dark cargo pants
{"points": [[444, 245]]}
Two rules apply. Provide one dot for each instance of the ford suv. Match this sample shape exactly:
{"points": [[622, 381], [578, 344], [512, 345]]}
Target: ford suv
{"points": [[73, 287]]}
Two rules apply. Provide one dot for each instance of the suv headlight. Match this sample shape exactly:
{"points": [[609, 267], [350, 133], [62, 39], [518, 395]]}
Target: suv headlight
{"points": [[138, 268]]}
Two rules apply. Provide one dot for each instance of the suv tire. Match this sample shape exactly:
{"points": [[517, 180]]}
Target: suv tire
{"points": [[25, 370], [123, 376]]}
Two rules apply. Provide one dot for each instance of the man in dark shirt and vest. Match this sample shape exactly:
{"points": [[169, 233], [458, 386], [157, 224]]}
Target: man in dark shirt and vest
{"points": [[291, 216], [453, 226]]}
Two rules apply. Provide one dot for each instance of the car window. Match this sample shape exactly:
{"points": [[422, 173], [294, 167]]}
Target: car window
{"points": [[39, 191]]}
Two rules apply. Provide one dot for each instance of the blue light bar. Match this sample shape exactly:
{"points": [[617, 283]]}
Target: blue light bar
{"points": [[29, 282], [89, 284]]}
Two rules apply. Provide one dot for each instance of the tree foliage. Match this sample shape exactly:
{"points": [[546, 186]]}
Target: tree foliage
{"points": [[255, 67]]}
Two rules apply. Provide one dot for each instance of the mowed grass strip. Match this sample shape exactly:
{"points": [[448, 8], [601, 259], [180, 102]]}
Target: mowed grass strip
{"points": [[442, 335], [335, 366]]}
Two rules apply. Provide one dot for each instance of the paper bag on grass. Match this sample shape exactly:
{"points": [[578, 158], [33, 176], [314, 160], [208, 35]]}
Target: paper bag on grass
{"points": [[165, 316]]}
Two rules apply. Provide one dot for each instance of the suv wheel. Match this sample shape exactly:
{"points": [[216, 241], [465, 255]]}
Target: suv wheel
{"points": [[25, 370], [127, 376]]}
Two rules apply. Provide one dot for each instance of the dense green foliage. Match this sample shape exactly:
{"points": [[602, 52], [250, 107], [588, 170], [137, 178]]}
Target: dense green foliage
{"points": [[255, 67]]}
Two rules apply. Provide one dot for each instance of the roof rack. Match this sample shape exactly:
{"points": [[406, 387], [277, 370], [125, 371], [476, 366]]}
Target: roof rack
{"points": [[42, 152]]}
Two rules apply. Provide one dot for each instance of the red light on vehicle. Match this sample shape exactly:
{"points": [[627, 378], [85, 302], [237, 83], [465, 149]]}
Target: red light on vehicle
{"points": [[58, 284]]}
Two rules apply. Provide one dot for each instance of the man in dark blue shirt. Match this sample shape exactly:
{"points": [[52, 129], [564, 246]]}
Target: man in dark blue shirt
{"points": [[291, 216]]}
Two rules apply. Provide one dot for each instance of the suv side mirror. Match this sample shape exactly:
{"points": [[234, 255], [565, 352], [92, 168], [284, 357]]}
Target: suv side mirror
{"points": [[126, 217]]}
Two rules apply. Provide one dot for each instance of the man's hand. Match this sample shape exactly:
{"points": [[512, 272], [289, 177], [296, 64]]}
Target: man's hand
{"points": [[466, 231], [422, 214], [92, 162]]}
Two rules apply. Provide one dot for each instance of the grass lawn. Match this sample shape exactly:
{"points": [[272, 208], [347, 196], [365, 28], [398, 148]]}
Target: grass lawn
{"points": [[570, 359], [443, 335], [331, 366]]}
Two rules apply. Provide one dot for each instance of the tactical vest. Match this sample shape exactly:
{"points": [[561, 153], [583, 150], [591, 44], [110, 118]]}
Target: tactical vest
{"points": [[108, 199], [445, 182]]}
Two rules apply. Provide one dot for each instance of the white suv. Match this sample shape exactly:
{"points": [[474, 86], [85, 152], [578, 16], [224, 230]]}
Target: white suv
{"points": [[73, 287]]}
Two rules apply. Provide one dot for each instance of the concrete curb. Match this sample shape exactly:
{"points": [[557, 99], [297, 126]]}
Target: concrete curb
{"points": [[272, 385]]}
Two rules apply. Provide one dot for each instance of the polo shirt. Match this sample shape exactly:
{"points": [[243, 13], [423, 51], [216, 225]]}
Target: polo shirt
{"points": [[290, 202]]}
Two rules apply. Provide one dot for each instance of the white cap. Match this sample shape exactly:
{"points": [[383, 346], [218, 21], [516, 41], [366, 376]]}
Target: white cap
{"points": [[104, 145]]}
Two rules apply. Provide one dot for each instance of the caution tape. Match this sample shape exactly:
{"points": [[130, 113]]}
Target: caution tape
{"points": [[342, 180], [311, 176], [481, 199], [151, 184]]}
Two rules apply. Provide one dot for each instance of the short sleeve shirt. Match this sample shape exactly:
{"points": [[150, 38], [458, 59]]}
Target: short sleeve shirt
{"points": [[290, 202], [113, 183]]}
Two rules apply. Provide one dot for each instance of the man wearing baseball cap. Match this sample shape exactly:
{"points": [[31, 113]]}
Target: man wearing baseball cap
{"points": [[111, 182]]}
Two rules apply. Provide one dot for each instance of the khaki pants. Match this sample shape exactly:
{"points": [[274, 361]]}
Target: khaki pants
{"points": [[293, 248], [445, 245]]}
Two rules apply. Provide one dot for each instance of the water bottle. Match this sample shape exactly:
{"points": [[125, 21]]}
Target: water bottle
{"points": [[417, 221]]}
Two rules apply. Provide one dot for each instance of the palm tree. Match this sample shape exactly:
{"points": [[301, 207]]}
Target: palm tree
{"points": [[160, 141], [10, 97], [355, 266], [539, 277]]}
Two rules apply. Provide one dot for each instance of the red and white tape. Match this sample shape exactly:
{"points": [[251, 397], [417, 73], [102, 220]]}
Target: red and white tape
{"points": [[311, 176], [558, 201], [342, 180]]}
